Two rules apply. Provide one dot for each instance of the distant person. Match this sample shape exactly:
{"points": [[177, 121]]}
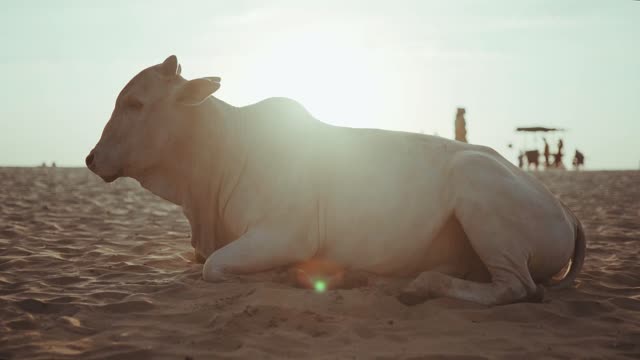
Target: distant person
{"points": [[558, 157], [53, 164], [560, 146], [521, 160], [546, 153], [578, 160], [461, 125]]}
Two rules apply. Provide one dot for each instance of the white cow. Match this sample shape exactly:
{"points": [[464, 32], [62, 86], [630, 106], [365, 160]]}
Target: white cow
{"points": [[267, 185]]}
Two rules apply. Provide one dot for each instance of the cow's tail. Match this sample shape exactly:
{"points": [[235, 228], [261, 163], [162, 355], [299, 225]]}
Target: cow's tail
{"points": [[579, 251]]}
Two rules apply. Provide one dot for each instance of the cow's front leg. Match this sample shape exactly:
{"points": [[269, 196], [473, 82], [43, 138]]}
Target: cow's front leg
{"points": [[199, 258], [257, 250]]}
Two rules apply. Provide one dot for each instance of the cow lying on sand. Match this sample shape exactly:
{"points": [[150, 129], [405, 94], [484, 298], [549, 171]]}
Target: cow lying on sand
{"points": [[267, 185]]}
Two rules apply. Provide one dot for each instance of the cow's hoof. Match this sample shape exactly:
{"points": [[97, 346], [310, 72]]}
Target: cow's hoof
{"points": [[535, 297], [214, 276], [199, 258]]}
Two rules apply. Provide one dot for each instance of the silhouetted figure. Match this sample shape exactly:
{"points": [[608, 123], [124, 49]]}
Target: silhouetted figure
{"points": [[578, 160], [546, 153], [461, 126], [521, 160], [558, 157], [53, 164], [44, 164], [560, 145]]}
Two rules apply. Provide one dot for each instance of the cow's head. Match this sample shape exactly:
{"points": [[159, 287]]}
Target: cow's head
{"points": [[148, 120]]}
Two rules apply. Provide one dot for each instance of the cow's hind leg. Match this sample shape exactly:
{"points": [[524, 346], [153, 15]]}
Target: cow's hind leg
{"points": [[506, 260], [434, 284], [494, 207]]}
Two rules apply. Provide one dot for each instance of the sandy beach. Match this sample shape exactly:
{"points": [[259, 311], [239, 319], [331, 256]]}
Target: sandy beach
{"points": [[106, 271]]}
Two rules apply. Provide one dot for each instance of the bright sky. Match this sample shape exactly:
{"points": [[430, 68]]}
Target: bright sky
{"points": [[403, 65]]}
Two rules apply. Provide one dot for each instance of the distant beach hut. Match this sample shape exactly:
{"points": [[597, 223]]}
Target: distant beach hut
{"points": [[533, 141]]}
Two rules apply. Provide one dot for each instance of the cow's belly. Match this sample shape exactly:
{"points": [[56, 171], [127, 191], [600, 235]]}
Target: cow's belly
{"points": [[385, 232], [396, 254]]}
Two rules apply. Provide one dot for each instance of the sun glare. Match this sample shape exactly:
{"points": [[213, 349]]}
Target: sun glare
{"points": [[336, 79]]}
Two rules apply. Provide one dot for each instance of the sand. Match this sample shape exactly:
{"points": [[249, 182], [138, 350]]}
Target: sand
{"points": [[96, 271]]}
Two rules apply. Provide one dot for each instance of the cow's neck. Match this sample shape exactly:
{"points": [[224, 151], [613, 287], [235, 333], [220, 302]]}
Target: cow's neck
{"points": [[163, 182], [177, 178], [196, 177]]}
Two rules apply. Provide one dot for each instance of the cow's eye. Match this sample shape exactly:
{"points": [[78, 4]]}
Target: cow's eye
{"points": [[133, 103]]}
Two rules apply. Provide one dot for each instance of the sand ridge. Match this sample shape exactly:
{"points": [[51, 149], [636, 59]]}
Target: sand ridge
{"points": [[96, 271]]}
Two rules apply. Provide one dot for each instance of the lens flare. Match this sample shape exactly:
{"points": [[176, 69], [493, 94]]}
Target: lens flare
{"points": [[320, 286]]}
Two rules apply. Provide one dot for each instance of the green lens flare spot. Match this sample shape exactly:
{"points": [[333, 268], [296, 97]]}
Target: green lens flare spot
{"points": [[319, 286]]}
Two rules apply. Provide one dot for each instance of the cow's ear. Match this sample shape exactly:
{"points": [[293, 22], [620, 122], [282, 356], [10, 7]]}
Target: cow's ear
{"points": [[196, 91], [170, 66]]}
